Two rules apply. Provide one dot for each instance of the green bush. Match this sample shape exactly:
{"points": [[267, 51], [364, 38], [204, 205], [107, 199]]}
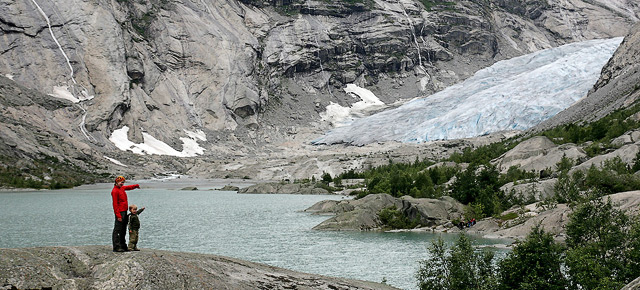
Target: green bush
{"points": [[393, 218]]}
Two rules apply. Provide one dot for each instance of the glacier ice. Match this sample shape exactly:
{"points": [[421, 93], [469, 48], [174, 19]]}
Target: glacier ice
{"points": [[513, 94]]}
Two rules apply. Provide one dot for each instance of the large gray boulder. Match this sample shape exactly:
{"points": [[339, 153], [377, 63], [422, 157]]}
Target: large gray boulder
{"points": [[626, 153], [537, 154], [540, 189], [362, 214], [97, 267]]}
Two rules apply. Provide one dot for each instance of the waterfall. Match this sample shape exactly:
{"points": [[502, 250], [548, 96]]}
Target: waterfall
{"points": [[85, 95], [46, 18], [413, 33]]}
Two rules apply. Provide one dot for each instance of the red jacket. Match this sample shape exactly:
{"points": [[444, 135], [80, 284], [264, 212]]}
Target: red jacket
{"points": [[119, 197]]}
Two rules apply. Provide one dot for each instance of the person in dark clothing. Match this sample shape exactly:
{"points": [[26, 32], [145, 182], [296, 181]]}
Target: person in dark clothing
{"points": [[134, 226], [120, 206]]}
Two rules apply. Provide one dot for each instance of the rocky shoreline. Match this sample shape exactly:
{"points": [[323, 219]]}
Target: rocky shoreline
{"points": [[97, 267], [436, 216]]}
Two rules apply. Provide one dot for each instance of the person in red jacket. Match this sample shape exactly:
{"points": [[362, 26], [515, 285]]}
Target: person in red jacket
{"points": [[120, 208]]}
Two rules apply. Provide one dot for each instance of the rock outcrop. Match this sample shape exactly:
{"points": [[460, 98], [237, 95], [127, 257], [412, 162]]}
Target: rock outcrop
{"points": [[633, 285], [539, 153], [96, 267], [552, 220], [284, 188], [362, 214]]}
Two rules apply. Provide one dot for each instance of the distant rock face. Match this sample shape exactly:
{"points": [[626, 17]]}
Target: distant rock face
{"points": [[362, 214], [250, 71], [96, 267]]}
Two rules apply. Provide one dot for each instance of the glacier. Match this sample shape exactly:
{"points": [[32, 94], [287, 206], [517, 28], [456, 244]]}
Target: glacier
{"points": [[513, 94]]}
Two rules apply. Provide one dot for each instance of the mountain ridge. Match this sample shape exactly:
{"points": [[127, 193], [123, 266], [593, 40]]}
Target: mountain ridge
{"points": [[253, 77]]}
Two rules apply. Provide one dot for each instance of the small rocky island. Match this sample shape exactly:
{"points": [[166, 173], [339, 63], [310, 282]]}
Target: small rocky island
{"points": [[97, 267]]}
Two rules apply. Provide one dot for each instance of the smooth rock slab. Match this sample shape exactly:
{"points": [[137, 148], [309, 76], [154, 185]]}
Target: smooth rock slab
{"points": [[97, 267]]}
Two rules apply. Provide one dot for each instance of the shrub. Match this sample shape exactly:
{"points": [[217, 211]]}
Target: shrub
{"points": [[460, 268], [395, 219]]}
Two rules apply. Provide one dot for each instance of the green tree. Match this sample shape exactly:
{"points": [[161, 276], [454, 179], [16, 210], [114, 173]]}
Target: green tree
{"points": [[534, 263], [326, 177], [460, 268], [602, 246]]}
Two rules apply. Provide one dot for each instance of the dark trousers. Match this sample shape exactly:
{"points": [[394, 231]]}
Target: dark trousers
{"points": [[120, 232]]}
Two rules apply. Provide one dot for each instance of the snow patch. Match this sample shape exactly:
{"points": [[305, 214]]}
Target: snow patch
{"points": [[114, 161], [151, 145], [9, 76], [338, 115], [62, 92]]}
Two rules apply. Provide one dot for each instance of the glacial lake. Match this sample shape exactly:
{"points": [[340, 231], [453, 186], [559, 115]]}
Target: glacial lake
{"points": [[264, 228]]}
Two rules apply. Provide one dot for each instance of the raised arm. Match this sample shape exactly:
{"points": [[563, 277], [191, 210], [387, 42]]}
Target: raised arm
{"points": [[130, 187]]}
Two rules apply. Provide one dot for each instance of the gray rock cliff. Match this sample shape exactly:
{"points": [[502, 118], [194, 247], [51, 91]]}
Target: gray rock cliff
{"points": [[246, 74]]}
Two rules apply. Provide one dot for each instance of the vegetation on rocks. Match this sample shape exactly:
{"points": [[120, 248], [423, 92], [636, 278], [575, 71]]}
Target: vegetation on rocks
{"points": [[602, 252], [600, 132], [395, 219], [44, 173]]}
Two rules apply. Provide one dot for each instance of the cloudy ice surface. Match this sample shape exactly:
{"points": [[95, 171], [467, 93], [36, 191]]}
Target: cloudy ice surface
{"points": [[513, 94]]}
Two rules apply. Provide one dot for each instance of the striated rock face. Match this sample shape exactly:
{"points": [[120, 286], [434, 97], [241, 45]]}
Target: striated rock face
{"points": [[251, 72], [96, 267]]}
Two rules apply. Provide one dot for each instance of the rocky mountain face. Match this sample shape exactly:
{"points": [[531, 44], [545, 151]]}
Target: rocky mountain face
{"points": [[250, 74]]}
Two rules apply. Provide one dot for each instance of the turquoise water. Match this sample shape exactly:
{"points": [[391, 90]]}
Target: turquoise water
{"points": [[262, 228]]}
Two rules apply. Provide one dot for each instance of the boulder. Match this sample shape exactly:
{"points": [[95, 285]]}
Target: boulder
{"points": [[433, 212], [627, 154], [229, 188], [540, 189], [537, 154], [97, 267], [362, 214]]}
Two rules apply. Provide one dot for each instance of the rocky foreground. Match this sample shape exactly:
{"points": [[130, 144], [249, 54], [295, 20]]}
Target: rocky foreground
{"points": [[97, 267]]}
